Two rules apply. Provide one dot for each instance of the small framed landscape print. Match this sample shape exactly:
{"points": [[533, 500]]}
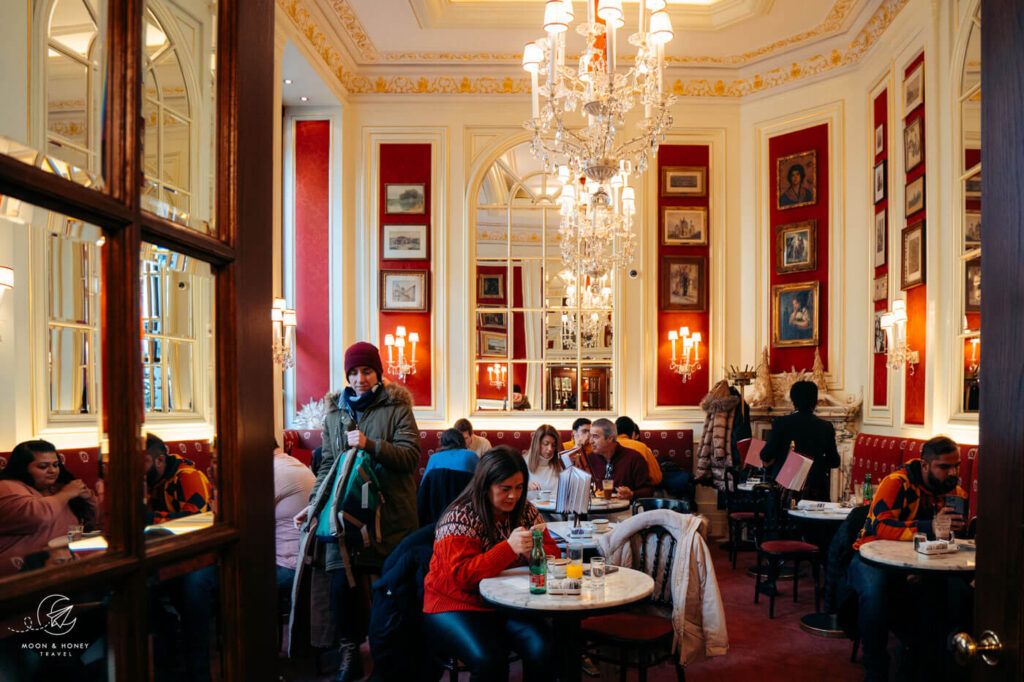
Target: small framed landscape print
{"points": [[493, 344], [913, 90], [490, 285], [405, 199], [972, 187], [684, 181], [913, 145], [492, 320], [684, 283], [684, 226], [879, 181], [795, 314], [881, 238], [972, 286], [796, 247], [880, 291], [403, 290], [913, 256], [405, 242], [879, 139], [972, 230], [880, 344], [797, 180], [915, 197]]}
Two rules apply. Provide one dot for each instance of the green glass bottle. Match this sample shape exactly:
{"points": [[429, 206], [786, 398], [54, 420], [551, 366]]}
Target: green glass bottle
{"points": [[868, 490], [538, 565]]}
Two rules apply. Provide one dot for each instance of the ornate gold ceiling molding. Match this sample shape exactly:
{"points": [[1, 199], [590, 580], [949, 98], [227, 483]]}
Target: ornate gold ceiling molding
{"points": [[699, 87]]}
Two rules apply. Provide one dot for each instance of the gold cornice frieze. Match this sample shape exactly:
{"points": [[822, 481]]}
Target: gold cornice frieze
{"points": [[496, 85]]}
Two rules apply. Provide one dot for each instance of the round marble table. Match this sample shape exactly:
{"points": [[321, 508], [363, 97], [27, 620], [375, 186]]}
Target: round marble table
{"points": [[560, 529], [597, 505], [511, 590], [901, 556], [821, 525]]}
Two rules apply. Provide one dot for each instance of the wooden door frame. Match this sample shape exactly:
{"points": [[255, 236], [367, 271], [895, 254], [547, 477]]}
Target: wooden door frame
{"points": [[999, 599]]}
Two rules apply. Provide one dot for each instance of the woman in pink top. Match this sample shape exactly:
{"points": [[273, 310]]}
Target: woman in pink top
{"points": [[34, 506]]}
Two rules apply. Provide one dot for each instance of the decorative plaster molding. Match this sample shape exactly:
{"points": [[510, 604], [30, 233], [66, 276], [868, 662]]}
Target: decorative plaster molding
{"points": [[490, 85]]}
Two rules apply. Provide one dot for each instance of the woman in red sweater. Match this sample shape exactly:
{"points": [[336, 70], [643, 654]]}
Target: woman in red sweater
{"points": [[486, 530]]}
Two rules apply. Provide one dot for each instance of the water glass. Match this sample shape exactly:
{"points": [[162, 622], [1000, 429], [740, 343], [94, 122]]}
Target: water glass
{"points": [[918, 539], [74, 533], [941, 527], [597, 572]]}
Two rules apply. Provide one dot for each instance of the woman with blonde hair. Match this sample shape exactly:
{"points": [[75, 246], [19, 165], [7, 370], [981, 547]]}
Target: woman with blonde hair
{"points": [[542, 459]]}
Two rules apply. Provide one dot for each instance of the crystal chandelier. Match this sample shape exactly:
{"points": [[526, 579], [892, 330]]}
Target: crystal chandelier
{"points": [[580, 127]]}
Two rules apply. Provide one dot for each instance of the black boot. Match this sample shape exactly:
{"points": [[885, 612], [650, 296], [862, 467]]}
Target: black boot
{"points": [[350, 665]]}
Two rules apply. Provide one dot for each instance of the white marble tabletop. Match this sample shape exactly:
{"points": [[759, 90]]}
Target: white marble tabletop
{"points": [[512, 588], [826, 514], [902, 555], [561, 529], [597, 505]]}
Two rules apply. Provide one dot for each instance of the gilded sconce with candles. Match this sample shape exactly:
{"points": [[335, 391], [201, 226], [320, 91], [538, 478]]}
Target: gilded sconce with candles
{"points": [[894, 324], [283, 321], [688, 360], [404, 364]]}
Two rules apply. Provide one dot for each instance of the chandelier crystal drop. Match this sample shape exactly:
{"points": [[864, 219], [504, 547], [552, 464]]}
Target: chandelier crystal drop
{"points": [[578, 124]]}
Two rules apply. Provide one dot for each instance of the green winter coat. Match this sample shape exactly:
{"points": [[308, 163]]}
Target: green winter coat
{"points": [[393, 442]]}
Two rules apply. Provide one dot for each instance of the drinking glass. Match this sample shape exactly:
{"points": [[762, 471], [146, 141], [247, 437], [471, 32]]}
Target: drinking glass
{"points": [[597, 572], [941, 526], [74, 533], [608, 486], [918, 539]]}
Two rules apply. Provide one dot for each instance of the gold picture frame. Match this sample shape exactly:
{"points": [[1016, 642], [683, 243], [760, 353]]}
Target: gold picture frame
{"points": [[684, 181], [796, 247], [804, 193], [799, 325]]}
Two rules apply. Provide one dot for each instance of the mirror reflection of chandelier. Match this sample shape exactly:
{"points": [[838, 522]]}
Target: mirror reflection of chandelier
{"points": [[594, 298], [593, 150]]}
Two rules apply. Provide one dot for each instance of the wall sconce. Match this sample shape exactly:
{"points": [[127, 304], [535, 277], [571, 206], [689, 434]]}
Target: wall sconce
{"points": [[898, 353], [283, 321], [404, 366], [496, 376], [972, 369], [689, 360]]}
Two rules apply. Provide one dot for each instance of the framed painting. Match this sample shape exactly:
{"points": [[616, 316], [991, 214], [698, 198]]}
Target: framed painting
{"points": [[972, 230], [879, 139], [880, 345], [684, 181], [972, 187], [796, 180], [404, 291], [913, 90], [913, 144], [915, 197], [795, 309], [492, 320], [972, 286], [878, 182], [881, 238], [684, 226], [684, 283], [405, 199], [880, 289], [796, 247], [405, 242], [490, 285], [493, 344], [913, 258]]}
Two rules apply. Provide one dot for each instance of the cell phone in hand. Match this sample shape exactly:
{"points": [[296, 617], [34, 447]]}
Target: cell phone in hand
{"points": [[957, 504]]}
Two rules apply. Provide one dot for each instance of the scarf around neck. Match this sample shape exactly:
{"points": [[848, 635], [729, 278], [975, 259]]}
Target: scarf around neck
{"points": [[356, 405]]}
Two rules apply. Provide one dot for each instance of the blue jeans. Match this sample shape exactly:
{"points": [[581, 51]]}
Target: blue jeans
{"points": [[482, 639], [285, 579]]}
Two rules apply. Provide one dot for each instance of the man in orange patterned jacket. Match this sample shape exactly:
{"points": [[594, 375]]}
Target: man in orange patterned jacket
{"points": [[176, 487], [908, 501]]}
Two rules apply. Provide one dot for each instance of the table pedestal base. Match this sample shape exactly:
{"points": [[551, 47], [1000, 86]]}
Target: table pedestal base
{"points": [[822, 625]]}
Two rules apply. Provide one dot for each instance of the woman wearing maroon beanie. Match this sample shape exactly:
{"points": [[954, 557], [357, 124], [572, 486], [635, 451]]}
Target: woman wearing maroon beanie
{"points": [[374, 417]]}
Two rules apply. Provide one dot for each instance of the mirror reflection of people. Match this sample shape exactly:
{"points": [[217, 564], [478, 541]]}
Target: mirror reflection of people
{"points": [[519, 399], [486, 530], [39, 501], [176, 488], [542, 459], [796, 193]]}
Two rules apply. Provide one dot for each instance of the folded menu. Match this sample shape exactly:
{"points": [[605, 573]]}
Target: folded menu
{"points": [[573, 492], [753, 458], [794, 471]]}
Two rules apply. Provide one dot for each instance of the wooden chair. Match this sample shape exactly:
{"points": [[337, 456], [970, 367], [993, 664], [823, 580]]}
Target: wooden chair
{"points": [[651, 503], [774, 553], [644, 631], [741, 512]]}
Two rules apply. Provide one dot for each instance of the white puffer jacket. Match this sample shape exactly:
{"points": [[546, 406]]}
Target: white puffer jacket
{"points": [[698, 618]]}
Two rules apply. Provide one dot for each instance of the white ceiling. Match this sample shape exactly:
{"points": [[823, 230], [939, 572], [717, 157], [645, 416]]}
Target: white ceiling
{"points": [[306, 82]]}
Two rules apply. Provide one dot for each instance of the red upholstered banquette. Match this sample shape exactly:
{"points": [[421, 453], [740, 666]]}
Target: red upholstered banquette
{"points": [[84, 462], [880, 455], [676, 444]]}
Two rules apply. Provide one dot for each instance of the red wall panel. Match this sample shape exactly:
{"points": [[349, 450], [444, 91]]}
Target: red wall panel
{"points": [[816, 138], [917, 298], [671, 389], [880, 392], [312, 248], [408, 164]]}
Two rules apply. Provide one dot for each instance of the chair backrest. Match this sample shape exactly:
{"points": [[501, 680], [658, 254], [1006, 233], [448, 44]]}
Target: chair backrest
{"points": [[651, 503], [654, 550]]}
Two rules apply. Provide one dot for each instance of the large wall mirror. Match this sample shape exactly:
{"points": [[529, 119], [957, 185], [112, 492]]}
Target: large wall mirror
{"points": [[542, 329], [968, 189]]}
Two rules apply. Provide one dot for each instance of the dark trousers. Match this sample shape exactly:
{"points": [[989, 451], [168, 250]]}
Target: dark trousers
{"points": [[482, 639], [922, 611], [351, 614]]}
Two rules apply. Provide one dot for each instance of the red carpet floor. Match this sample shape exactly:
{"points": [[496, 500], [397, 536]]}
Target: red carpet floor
{"points": [[760, 649]]}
